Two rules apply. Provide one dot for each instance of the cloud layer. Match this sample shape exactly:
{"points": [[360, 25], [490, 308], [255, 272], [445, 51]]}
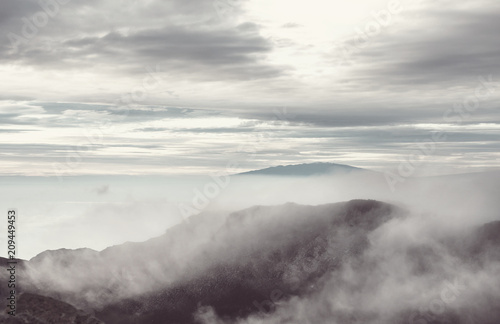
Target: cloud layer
{"points": [[357, 84]]}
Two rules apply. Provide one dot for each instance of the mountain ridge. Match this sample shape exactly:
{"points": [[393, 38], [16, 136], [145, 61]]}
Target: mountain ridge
{"points": [[304, 169], [291, 248]]}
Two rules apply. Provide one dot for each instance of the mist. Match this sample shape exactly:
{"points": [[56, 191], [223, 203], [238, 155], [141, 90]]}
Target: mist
{"points": [[427, 263]]}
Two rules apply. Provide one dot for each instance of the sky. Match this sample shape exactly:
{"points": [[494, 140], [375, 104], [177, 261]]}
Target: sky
{"points": [[172, 92], [182, 87]]}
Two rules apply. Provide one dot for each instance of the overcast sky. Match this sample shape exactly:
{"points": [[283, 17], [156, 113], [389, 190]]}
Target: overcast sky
{"points": [[162, 87]]}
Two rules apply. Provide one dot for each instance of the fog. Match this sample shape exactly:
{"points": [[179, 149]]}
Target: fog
{"points": [[406, 276], [455, 199], [410, 273], [77, 213], [417, 267]]}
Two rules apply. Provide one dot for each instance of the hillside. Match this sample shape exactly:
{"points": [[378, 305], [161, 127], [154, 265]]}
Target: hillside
{"points": [[266, 263]]}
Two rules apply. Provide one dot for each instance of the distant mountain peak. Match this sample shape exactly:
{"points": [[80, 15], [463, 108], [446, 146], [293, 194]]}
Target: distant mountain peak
{"points": [[305, 169]]}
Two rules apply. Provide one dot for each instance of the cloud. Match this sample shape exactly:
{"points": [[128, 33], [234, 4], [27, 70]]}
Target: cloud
{"points": [[83, 66], [182, 39], [388, 269], [456, 46]]}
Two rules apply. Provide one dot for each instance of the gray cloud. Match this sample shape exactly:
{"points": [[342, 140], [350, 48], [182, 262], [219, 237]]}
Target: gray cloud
{"points": [[182, 38], [411, 73], [455, 47]]}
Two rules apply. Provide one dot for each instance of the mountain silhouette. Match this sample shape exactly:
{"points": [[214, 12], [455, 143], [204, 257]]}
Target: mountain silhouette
{"points": [[252, 264], [303, 170]]}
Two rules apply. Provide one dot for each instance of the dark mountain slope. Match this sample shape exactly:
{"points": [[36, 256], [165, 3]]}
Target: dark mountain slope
{"points": [[284, 250], [34, 309], [262, 259]]}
